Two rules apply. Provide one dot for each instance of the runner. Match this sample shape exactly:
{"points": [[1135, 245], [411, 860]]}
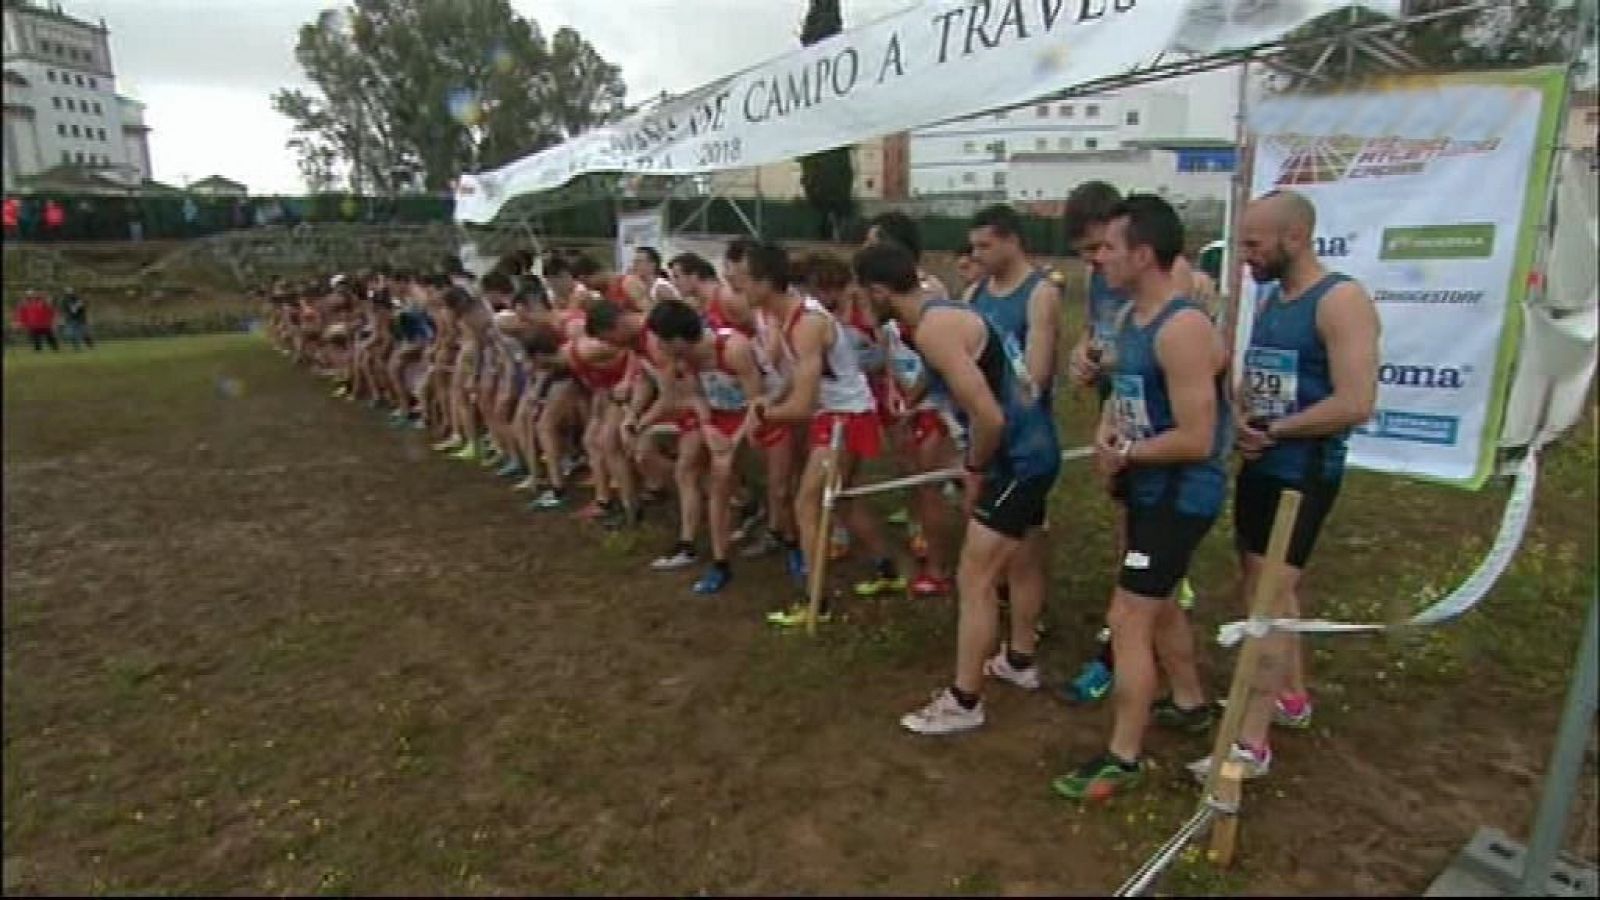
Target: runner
{"points": [[1024, 306], [920, 427], [828, 280], [560, 400], [1161, 446], [826, 386], [1011, 465], [1089, 208], [1311, 376], [650, 284], [607, 368], [494, 377], [722, 371]]}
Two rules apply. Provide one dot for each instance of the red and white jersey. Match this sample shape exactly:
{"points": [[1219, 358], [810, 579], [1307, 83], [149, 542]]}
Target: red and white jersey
{"points": [[844, 387]]}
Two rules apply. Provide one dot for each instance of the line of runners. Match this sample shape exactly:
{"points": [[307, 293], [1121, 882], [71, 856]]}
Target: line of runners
{"points": [[665, 380]]}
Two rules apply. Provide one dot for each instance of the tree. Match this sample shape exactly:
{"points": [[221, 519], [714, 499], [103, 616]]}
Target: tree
{"points": [[828, 178], [436, 87], [1497, 37]]}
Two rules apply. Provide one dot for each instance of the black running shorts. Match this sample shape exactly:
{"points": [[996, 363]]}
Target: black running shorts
{"points": [[1160, 544], [1255, 502], [1014, 506]]}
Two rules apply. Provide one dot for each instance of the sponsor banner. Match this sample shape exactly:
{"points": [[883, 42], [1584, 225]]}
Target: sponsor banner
{"points": [[1428, 193], [931, 62]]}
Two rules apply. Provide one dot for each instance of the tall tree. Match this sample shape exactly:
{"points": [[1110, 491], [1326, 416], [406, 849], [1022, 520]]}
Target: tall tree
{"points": [[1505, 36], [436, 87], [828, 178]]}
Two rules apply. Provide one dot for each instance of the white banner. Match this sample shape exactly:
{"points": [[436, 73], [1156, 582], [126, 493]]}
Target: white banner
{"points": [[1421, 194], [635, 230], [934, 61]]}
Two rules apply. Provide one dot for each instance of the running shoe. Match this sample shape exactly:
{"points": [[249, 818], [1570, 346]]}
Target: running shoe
{"points": [[999, 666], [713, 581], [796, 616], [526, 484], [548, 501], [1193, 721], [681, 556], [926, 585], [621, 517], [1100, 778], [512, 468], [1185, 595], [749, 520], [340, 392], [1292, 711], [1092, 683], [571, 464], [1254, 764], [899, 517], [944, 714], [881, 584], [449, 444], [766, 542], [468, 453], [594, 511]]}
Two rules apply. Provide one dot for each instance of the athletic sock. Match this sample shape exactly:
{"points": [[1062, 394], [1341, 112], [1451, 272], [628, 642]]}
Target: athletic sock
{"points": [[967, 701], [686, 547], [1126, 765], [1017, 660]]}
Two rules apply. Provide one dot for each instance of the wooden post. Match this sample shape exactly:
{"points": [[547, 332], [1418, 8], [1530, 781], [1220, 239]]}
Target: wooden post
{"points": [[819, 550], [1223, 783]]}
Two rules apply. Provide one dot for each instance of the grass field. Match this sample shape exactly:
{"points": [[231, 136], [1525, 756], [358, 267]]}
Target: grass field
{"points": [[255, 642]]}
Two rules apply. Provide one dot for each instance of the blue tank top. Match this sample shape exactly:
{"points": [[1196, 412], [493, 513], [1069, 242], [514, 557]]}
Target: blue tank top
{"points": [[1008, 315], [1287, 370], [1029, 446], [1144, 409]]}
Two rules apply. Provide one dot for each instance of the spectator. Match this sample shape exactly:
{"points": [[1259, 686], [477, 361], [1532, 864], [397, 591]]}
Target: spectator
{"points": [[37, 317], [75, 320], [54, 217]]}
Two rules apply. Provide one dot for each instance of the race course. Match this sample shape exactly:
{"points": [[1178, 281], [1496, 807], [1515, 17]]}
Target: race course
{"points": [[257, 642]]}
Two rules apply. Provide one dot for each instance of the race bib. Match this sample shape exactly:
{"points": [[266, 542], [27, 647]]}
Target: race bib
{"points": [[1132, 416], [1273, 381], [722, 392]]}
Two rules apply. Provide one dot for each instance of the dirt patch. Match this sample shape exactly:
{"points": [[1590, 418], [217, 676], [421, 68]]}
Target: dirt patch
{"points": [[257, 642]]}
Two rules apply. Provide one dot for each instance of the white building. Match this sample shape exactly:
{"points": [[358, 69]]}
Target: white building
{"points": [[61, 104], [984, 153]]}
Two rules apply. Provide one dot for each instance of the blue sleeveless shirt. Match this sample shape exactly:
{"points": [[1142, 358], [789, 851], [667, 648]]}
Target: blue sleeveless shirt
{"points": [[1287, 370], [1144, 409], [1029, 445], [1008, 315]]}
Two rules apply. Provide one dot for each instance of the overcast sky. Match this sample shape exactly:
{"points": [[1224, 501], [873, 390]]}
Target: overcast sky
{"points": [[208, 68]]}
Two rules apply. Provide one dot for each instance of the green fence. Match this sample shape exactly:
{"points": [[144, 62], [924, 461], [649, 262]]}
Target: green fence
{"points": [[169, 216]]}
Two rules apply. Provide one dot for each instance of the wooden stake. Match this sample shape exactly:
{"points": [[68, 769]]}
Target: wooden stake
{"points": [[1223, 783], [819, 552]]}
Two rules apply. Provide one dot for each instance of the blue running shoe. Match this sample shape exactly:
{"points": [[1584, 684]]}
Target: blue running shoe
{"points": [[714, 580], [513, 469], [1092, 684]]}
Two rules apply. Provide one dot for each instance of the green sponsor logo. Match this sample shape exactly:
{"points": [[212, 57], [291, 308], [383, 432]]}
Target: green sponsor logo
{"points": [[1471, 241]]}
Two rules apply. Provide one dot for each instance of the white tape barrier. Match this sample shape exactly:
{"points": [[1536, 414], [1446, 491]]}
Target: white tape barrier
{"points": [[909, 481], [1513, 524]]}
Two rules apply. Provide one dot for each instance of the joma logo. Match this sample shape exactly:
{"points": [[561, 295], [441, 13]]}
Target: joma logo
{"points": [[1428, 377]]}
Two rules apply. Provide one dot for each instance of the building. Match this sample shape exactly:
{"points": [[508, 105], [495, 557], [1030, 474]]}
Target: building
{"points": [[1583, 123], [1042, 143], [61, 104], [882, 172], [217, 186], [1180, 174]]}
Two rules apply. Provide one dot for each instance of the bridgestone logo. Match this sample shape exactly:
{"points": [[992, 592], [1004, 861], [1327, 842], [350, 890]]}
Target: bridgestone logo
{"points": [[1429, 298]]}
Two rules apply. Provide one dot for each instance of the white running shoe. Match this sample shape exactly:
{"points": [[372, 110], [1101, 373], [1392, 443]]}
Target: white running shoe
{"points": [[943, 715], [1254, 766], [678, 558], [526, 484], [998, 666]]}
